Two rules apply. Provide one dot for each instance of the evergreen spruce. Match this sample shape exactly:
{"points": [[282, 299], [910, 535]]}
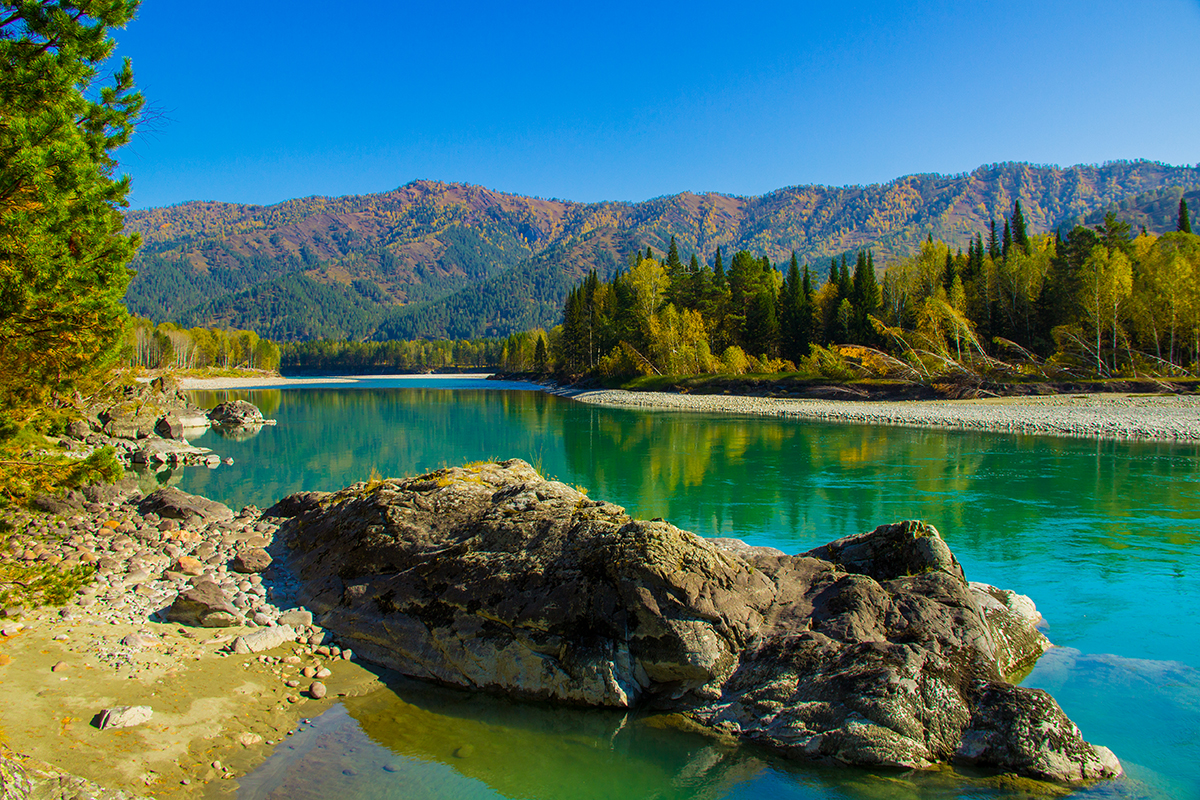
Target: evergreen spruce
{"points": [[1007, 241], [993, 244], [719, 272], [1019, 234], [1185, 222], [791, 305]]}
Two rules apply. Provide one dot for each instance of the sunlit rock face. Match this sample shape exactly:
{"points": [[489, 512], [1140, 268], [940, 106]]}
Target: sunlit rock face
{"points": [[872, 650]]}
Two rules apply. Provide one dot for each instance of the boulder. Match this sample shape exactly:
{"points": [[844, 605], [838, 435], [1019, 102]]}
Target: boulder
{"points": [[297, 618], [205, 605], [171, 503], [872, 650], [78, 429], [264, 639], [54, 504], [250, 560], [169, 427], [236, 414], [111, 492]]}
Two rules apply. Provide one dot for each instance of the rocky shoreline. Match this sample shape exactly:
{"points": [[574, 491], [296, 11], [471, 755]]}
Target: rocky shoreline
{"points": [[195, 647], [214, 705]]}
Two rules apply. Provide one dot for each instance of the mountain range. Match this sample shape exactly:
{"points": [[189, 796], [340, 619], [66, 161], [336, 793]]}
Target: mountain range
{"points": [[444, 260]]}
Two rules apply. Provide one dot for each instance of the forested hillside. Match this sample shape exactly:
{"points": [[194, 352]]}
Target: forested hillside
{"points": [[451, 260]]}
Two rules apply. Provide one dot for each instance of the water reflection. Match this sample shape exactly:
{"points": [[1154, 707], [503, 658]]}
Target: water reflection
{"points": [[1103, 535], [417, 741]]}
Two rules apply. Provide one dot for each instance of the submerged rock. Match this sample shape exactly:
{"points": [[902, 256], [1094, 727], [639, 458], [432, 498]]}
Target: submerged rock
{"points": [[872, 650]]}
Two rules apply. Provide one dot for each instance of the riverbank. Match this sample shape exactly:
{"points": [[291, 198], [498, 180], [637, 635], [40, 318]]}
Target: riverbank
{"points": [[1110, 415], [208, 384], [215, 712], [1114, 416]]}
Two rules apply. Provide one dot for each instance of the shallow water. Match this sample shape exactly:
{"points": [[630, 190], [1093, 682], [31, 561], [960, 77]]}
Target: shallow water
{"points": [[1102, 534]]}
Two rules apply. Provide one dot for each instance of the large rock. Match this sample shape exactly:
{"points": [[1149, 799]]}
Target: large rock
{"points": [[236, 414], [872, 650], [205, 605], [171, 503]]}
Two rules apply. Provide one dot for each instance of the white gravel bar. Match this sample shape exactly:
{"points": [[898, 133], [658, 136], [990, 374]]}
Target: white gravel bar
{"points": [[1109, 416]]}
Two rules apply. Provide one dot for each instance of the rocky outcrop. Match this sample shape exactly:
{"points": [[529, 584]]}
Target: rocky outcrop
{"points": [[872, 650], [237, 414]]}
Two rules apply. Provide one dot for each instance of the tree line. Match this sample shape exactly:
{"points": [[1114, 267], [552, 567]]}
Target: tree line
{"points": [[168, 345], [527, 351], [1100, 300]]}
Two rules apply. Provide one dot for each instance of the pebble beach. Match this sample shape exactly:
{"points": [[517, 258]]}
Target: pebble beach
{"points": [[1111, 416]]}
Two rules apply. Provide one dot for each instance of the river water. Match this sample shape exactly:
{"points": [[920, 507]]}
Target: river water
{"points": [[1103, 535]]}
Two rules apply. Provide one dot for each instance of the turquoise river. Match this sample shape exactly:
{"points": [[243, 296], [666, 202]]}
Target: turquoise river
{"points": [[1104, 535]]}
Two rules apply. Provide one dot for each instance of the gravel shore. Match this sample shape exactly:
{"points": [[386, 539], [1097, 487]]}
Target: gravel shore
{"points": [[1110, 416], [215, 709]]}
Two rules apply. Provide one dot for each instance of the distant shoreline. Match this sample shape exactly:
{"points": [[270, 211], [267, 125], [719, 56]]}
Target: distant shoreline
{"points": [[1101, 415], [1108, 416], [206, 384]]}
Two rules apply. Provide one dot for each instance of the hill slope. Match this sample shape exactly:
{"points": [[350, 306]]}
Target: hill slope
{"points": [[435, 259]]}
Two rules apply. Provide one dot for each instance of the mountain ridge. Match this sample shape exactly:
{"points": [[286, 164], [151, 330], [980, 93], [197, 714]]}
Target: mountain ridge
{"points": [[420, 260]]}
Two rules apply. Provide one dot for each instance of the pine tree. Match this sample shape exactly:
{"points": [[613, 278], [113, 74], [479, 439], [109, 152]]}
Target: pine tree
{"points": [[539, 354], [791, 306], [1007, 242], [674, 265], [1185, 223], [864, 298], [993, 244], [845, 284], [719, 272], [63, 253], [1019, 235]]}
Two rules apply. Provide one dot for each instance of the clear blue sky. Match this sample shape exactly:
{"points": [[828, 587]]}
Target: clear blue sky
{"points": [[263, 101]]}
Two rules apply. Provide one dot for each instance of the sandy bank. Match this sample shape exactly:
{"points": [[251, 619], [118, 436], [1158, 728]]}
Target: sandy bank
{"points": [[215, 714], [1167, 417]]}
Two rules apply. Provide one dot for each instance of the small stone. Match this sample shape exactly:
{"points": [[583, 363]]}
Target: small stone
{"points": [[291, 698], [253, 559], [139, 641], [189, 566], [12, 629], [59, 667], [317, 690], [324, 672], [124, 716], [291, 683], [347, 655], [309, 672], [249, 739]]}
